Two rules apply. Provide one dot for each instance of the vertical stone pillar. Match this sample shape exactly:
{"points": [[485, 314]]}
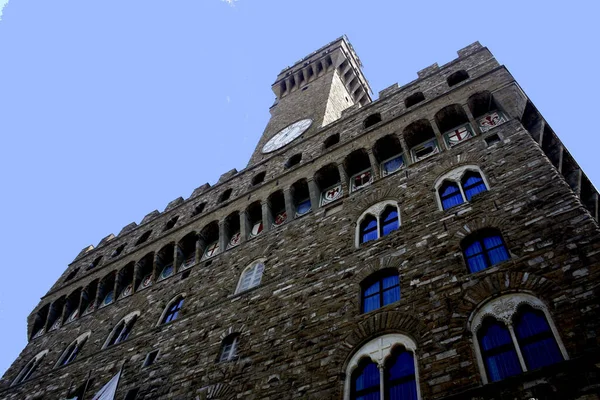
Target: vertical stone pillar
{"points": [[471, 119], [438, 134], [155, 271], [289, 204], [200, 246], [315, 195], [266, 216], [344, 179], [223, 239], [374, 164], [243, 226], [175, 257]]}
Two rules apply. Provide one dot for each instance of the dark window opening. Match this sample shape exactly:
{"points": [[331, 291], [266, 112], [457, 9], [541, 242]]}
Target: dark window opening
{"points": [[55, 314], [254, 218], [186, 251], [492, 139], [118, 250], [165, 262], [106, 294], [301, 197], [143, 272], [121, 333], [210, 240], [72, 306], [293, 160], [143, 238], [327, 176], [225, 195], [150, 358], [72, 274], [388, 153], [457, 77], [125, 281], [198, 209], [171, 223], [414, 99], [232, 230], [358, 168], [481, 103], [40, 321], [371, 120], [229, 348], [331, 140], [258, 178], [88, 298], [450, 117], [132, 394], [277, 210], [97, 260], [420, 138]]}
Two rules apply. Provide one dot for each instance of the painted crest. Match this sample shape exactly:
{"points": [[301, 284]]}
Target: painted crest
{"points": [[90, 308], [458, 135], [490, 120], [236, 238], [127, 291], [73, 315], [280, 218], [147, 281], [55, 325], [361, 180], [211, 250], [188, 262], [256, 229], [331, 194], [167, 271]]}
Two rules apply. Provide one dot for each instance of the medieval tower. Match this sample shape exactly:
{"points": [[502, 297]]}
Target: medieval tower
{"points": [[437, 243]]}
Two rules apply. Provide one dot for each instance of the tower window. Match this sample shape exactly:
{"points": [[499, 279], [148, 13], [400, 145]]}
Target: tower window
{"points": [[453, 122], [72, 274], [97, 260], [421, 140], [143, 238], [164, 262], [30, 368], [328, 181], [377, 221], [485, 111], [251, 276], [122, 330], [388, 153], [301, 197], [71, 352], [118, 250], [186, 251], [293, 160], [331, 140], [199, 209], [277, 208], [258, 178], [232, 230], [150, 358], [414, 99], [171, 223], [254, 219], [225, 195], [483, 249], [125, 281], [372, 120], [380, 289], [144, 275], [173, 310], [457, 77], [358, 168], [229, 348], [210, 236], [460, 185]]}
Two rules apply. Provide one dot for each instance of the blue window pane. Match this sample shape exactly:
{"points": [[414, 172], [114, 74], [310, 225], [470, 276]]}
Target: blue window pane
{"points": [[498, 352], [303, 207], [391, 296], [390, 281], [403, 391], [537, 341], [374, 288], [492, 241], [390, 222], [449, 189], [477, 263], [473, 184], [450, 195], [369, 230], [392, 165], [366, 383], [371, 303], [400, 378], [473, 249], [403, 367]]}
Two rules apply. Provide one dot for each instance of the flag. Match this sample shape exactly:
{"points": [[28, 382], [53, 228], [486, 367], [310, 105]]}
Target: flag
{"points": [[109, 390]]}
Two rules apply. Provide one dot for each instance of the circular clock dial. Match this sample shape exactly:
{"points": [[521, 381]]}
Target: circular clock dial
{"points": [[286, 135]]}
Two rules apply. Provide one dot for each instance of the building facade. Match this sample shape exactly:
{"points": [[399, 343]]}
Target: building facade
{"points": [[437, 243]]}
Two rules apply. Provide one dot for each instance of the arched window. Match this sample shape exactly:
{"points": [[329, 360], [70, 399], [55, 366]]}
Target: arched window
{"points": [[414, 99], [122, 330], [258, 178], [420, 139], [71, 352], [535, 338], [380, 289], [457, 77], [450, 195], [172, 311], [472, 183], [372, 120], [331, 140], [365, 381], [368, 229], [514, 334], [301, 197], [251, 276], [454, 124], [384, 365], [30, 368], [229, 348], [377, 221], [460, 185], [483, 249]]}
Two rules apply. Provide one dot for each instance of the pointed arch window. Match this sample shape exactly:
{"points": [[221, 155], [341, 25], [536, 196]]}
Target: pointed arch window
{"points": [[71, 352], [450, 195], [229, 348], [30, 368], [483, 249], [383, 368], [460, 185], [121, 331], [377, 221], [173, 310], [472, 184], [380, 289], [515, 333], [251, 276]]}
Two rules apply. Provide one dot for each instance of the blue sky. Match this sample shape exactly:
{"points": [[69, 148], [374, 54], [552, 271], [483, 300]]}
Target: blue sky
{"points": [[111, 109]]}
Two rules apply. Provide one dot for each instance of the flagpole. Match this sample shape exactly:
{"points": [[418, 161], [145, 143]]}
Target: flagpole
{"points": [[87, 381]]}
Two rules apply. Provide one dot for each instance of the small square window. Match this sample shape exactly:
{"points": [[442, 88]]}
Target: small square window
{"points": [[492, 139], [150, 358]]}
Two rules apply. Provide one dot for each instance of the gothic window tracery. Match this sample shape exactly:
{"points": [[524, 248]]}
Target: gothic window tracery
{"points": [[251, 276], [460, 185], [172, 310], [122, 330], [377, 221]]}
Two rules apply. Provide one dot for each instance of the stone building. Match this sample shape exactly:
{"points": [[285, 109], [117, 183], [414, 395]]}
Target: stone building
{"points": [[437, 243]]}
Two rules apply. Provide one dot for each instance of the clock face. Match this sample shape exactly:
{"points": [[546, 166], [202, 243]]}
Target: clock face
{"points": [[286, 135]]}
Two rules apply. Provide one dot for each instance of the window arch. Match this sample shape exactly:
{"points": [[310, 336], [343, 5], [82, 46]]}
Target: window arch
{"points": [[377, 221], [457, 77], [71, 352], [371, 120], [122, 330], [484, 248], [173, 310], [383, 368], [251, 276], [459, 186], [515, 333], [380, 289], [30, 368], [229, 348]]}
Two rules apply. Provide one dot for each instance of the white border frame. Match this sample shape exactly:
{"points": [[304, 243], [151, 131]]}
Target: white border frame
{"points": [[126, 319], [251, 265], [80, 339], [375, 211], [169, 304], [456, 176]]}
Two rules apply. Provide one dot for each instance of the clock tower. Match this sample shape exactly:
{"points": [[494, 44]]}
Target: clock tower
{"points": [[311, 94]]}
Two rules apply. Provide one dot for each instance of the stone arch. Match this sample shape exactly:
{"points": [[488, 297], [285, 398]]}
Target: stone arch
{"points": [[240, 329], [375, 196], [474, 225], [453, 162], [220, 391], [500, 283]]}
